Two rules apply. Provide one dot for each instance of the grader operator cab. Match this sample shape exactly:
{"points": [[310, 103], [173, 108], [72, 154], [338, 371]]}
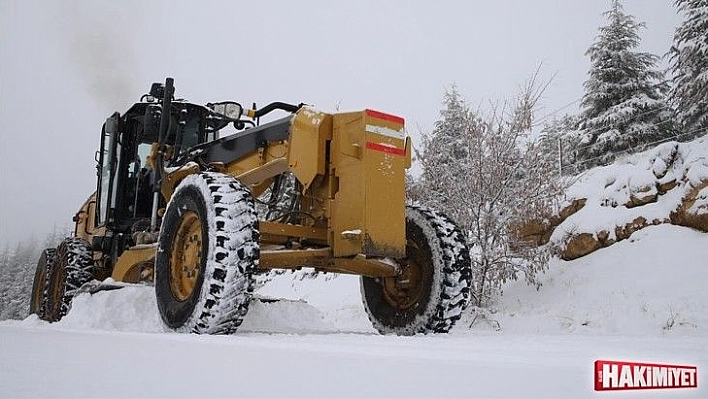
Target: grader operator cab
{"points": [[198, 215]]}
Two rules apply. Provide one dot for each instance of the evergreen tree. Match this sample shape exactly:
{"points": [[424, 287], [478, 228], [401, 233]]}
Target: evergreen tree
{"points": [[16, 277], [446, 149], [689, 64], [624, 105], [561, 132], [17, 268]]}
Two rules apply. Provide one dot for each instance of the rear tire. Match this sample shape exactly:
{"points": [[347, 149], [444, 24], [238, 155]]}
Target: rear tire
{"points": [[434, 286], [208, 252], [40, 286], [71, 267]]}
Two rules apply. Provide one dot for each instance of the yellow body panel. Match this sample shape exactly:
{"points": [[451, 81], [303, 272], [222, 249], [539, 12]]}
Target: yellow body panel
{"points": [[309, 134], [369, 156], [85, 220], [129, 266]]}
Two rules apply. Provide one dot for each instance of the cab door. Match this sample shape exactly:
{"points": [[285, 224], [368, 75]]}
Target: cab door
{"points": [[108, 164]]}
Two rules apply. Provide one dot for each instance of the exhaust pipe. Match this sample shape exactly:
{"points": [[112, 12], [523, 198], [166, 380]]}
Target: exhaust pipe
{"points": [[165, 119]]}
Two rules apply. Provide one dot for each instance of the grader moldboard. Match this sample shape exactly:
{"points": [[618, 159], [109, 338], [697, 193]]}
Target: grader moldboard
{"points": [[198, 215]]}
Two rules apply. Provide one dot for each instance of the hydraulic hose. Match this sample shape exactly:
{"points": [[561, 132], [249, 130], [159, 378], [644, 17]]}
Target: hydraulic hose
{"points": [[272, 107]]}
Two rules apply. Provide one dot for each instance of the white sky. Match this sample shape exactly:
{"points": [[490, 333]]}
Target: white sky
{"points": [[67, 65]]}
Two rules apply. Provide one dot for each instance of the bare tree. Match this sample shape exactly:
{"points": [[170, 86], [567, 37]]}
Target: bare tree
{"points": [[488, 175]]}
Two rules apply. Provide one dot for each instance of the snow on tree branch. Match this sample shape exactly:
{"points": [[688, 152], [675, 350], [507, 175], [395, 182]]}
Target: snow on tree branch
{"points": [[487, 174]]}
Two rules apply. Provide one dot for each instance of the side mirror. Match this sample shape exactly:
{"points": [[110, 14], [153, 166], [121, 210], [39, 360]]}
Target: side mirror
{"points": [[229, 109]]}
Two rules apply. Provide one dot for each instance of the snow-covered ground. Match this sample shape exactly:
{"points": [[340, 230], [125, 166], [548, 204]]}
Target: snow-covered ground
{"points": [[643, 299], [654, 283]]}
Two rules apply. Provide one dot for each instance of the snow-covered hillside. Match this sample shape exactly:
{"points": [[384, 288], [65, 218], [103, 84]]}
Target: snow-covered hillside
{"points": [[653, 283], [642, 299]]}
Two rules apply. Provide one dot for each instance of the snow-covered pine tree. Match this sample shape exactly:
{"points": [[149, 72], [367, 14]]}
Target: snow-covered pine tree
{"points": [[689, 63], [624, 106], [444, 149], [561, 132], [17, 269], [16, 276]]}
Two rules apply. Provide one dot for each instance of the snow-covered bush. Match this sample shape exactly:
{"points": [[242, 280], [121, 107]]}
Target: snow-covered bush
{"points": [[486, 173]]}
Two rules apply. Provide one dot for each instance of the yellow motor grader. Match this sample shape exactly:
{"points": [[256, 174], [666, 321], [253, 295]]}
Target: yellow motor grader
{"points": [[198, 213]]}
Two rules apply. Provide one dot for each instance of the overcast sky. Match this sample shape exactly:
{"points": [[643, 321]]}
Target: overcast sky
{"points": [[65, 66]]}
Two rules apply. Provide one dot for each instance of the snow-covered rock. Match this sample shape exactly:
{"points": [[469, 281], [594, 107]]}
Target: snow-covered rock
{"points": [[667, 184]]}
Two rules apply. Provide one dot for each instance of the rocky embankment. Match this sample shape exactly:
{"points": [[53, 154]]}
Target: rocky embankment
{"points": [[605, 205]]}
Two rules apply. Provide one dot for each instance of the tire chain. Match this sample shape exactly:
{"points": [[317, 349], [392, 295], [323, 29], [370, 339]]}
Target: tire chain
{"points": [[79, 269], [49, 257], [457, 271], [229, 293]]}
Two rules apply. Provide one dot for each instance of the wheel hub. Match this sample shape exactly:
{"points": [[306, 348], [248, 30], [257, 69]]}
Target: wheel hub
{"points": [[405, 290], [186, 256]]}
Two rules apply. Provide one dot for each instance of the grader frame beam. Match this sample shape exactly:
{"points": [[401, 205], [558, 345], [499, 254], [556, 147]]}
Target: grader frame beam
{"points": [[322, 260]]}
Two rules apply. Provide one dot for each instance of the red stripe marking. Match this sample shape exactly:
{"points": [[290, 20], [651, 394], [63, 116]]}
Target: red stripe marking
{"points": [[386, 117], [385, 148]]}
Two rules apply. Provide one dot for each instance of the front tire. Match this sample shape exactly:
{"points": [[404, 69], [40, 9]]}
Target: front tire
{"points": [[208, 252], [71, 267], [434, 286]]}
